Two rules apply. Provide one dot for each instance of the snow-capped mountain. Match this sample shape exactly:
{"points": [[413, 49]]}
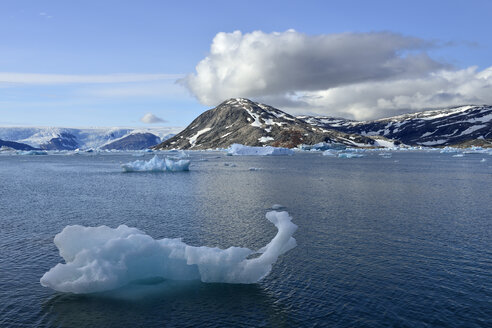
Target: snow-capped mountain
{"points": [[50, 138], [445, 127], [243, 121]]}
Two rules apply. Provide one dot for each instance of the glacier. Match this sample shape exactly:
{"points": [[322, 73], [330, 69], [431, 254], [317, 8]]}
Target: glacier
{"points": [[157, 164], [102, 258], [238, 149]]}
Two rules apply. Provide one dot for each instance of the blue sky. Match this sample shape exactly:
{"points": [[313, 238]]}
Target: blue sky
{"points": [[108, 63]]}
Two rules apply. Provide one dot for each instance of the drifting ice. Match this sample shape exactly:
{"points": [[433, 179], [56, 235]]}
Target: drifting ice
{"points": [[238, 149], [349, 155], [156, 165], [32, 152], [101, 258]]}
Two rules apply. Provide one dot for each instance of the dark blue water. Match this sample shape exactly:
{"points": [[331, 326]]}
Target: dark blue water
{"points": [[402, 242]]}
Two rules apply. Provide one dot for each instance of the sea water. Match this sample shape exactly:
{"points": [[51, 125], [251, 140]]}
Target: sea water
{"points": [[400, 241]]}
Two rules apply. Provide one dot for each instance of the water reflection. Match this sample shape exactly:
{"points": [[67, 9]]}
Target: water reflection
{"points": [[167, 303]]}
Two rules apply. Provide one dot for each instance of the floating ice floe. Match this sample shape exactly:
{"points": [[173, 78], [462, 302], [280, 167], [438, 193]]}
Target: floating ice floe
{"points": [[350, 155], [238, 149], [101, 258], [449, 150], [459, 155], [483, 160], [255, 168], [32, 152], [277, 207], [328, 153], [156, 164]]}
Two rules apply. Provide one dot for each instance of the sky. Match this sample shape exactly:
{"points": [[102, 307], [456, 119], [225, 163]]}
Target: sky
{"points": [[162, 63]]}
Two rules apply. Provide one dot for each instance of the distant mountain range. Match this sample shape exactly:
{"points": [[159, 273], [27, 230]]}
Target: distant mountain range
{"points": [[91, 138], [243, 121]]}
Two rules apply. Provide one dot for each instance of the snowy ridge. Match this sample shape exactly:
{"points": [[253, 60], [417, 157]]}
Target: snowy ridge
{"points": [[54, 138], [442, 127]]}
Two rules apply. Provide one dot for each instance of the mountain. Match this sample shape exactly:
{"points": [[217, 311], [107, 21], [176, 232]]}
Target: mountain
{"points": [[136, 141], [458, 126], [52, 138], [243, 121], [15, 145]]}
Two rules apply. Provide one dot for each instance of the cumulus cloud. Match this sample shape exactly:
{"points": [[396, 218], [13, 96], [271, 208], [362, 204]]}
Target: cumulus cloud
{"points": [[150, 118], [357, 75]]}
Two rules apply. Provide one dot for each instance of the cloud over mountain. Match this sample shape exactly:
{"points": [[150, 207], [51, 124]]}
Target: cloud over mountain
{"points": [[358, 75]]}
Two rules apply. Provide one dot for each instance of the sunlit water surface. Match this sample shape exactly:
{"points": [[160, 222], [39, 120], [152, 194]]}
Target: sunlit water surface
{"points": [[403, 241]]}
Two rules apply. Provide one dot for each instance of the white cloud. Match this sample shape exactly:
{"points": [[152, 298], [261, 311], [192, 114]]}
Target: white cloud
{"points": [[369, 100], [52, 79], [358, 75], [150, 118]]}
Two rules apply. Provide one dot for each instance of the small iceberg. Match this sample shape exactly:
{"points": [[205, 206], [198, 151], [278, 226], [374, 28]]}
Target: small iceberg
{"points": [[101, 258], [32, 152], [328, 153], [458, 155], [242, 150], [156, 164], [350, 155], [483, 160]]}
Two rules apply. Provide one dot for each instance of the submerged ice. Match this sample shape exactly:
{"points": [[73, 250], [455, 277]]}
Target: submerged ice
{"points": [[102, 258], [157, 164]]}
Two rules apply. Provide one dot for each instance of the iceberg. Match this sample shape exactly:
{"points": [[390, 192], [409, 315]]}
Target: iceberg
{"points": [[156, 164], [328, 153], [238, 149], [102, 258], [349, 155], [177, 165], [32, 152]]}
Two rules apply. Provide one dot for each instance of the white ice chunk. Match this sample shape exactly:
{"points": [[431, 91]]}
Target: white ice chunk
{"points": [[156, 164], [101, 258], [180, 165], [349, 155], [238, 149], [32, 152], [328, 153]]}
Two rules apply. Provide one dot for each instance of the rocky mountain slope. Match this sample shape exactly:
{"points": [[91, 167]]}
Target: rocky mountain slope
{"points": [[243, 121], [70, 138], [463, 125]]}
